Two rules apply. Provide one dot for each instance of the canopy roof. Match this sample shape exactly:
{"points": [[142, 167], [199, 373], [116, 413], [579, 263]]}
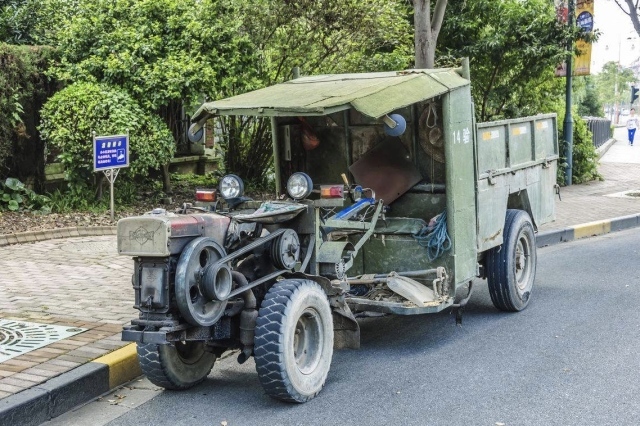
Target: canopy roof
{"points": [[372, 94]]}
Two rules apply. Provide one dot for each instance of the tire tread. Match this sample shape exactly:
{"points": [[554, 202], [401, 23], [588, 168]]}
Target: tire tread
{"points": [[497, 273], [269, 357]]}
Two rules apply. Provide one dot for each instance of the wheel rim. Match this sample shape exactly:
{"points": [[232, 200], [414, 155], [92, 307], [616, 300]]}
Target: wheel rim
{"points": [[523, 262], [190, 352], [308, 341]]}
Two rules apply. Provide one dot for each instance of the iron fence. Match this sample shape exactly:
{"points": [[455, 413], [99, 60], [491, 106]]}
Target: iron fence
{"points": [[600, 130]]}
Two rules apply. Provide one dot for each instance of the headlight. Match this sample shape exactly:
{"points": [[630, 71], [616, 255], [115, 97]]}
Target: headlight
{"points": [[231, 186], [299, 186]]}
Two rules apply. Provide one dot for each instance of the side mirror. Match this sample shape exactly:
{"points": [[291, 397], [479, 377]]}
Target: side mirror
{"points": [[394, 124], [195, 136]]}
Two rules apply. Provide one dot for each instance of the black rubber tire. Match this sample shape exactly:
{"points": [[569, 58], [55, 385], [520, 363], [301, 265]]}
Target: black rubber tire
{"points": [[294, 340], [170, 368], [511, 267]]}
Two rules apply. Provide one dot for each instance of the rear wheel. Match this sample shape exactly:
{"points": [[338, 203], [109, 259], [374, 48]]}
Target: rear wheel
{"points": [[178, 366], [511, 267], [294, 340]]}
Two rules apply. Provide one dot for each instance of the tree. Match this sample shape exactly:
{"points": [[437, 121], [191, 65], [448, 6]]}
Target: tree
{"points": [[319, 36], [630, 8], [613, 83], [513, 47], [165, 53], [427, 28], [586, 95], [17, 21]]}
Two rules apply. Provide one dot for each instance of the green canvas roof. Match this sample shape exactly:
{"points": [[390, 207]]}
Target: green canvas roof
{"points": [[372, 94]]}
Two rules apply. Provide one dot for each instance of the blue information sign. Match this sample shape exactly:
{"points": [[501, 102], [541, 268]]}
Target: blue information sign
{"points": [[110, 152]]}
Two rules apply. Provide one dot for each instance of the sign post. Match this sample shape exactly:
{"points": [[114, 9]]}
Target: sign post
{"points": [[110, 154]]}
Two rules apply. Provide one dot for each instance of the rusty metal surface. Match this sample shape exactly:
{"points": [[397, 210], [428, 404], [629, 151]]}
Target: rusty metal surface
{"points": [[166, 234], [387, 169]]}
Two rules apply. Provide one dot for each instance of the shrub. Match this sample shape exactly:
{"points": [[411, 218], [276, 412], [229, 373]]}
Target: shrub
{"points": [[14, 195], [585, 156], [72, 114]]}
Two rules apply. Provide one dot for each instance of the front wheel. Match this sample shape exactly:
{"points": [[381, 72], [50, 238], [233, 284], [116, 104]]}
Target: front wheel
{"points": [[294, 340], [175, 367], [511, 267]]}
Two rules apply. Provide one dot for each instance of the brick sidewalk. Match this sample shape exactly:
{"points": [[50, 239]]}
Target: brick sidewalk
{"points": [[588, 202], [79, 282]]}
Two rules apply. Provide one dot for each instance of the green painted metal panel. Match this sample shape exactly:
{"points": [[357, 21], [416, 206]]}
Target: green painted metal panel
{"points": [[527, 178], [423, 206], [520, 143], [492, 149], [400, 253], [545, 135], [525, 142], [398, 96], [491, 210], [547, 194], [373, 94], [460, 171]]}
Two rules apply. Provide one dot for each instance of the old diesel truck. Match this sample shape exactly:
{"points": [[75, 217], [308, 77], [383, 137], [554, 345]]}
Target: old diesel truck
{"points": [[390, 200]]}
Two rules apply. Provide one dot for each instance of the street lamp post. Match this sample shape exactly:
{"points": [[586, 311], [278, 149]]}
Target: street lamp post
{"points": [[568, 118], [616, 87]]}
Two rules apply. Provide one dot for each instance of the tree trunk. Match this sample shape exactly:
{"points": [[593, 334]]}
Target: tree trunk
{"points": [[166, 179], [427, 28], [632, 12]]}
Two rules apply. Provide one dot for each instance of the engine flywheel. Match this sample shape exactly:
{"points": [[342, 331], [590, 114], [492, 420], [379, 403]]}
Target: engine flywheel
{"points": [[195, 305]]}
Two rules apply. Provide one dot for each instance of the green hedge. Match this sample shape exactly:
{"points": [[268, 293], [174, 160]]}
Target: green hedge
{"points": [[72, 114], [585, 156]]}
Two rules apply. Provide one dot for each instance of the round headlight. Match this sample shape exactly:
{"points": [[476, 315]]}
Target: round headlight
{"points": [[299, 186], [231, 186]]}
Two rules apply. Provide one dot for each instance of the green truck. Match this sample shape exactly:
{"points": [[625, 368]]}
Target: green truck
{"points": [[390, 199]]}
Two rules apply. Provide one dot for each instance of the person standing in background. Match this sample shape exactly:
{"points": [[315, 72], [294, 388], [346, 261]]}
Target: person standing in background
{"points": [[632, 125]]}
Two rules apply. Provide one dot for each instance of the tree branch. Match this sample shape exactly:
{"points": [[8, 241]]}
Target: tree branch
{"points": [[437, 18]]}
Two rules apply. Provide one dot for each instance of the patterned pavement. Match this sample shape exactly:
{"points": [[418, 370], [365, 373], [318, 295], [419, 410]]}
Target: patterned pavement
{"points": [[79, 282]]}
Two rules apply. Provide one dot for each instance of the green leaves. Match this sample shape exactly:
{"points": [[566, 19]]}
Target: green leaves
{"points": [[14, 195], [72, 114], [613, 83], [513, 47], [320, 37], [159, 51], [21, 81]]}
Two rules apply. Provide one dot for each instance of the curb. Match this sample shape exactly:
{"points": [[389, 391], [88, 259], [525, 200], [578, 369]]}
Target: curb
{"points": [[51, 234], [590, 229], [602, 149], [68, 390]]}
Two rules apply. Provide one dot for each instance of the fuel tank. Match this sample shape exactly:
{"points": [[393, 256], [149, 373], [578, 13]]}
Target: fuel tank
{"points": [[162, 235]]}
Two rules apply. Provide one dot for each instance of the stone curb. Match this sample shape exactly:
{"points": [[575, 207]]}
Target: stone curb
{"points": [[590, 229], [68, 390], [51, 234], [602, 149]]}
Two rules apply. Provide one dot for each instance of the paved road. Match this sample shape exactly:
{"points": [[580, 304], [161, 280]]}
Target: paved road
{"points": [[571, 358]]}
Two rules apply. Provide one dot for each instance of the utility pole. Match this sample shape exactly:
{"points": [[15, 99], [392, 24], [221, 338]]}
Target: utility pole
{"points": [[616, 94], [568, 118]]}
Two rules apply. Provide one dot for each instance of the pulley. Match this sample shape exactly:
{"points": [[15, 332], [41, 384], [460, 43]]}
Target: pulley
{"points": [[198, 299], [285, 250]]}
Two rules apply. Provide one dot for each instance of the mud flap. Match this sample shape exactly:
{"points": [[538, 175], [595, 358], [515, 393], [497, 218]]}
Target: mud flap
{"points": [[346, 330]]}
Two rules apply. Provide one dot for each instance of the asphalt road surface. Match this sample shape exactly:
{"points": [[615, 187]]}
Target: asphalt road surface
{"points": [[571, 358]]}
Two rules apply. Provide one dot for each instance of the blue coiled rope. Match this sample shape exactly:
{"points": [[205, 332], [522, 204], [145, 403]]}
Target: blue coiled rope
{"points": [[436, 239]]}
